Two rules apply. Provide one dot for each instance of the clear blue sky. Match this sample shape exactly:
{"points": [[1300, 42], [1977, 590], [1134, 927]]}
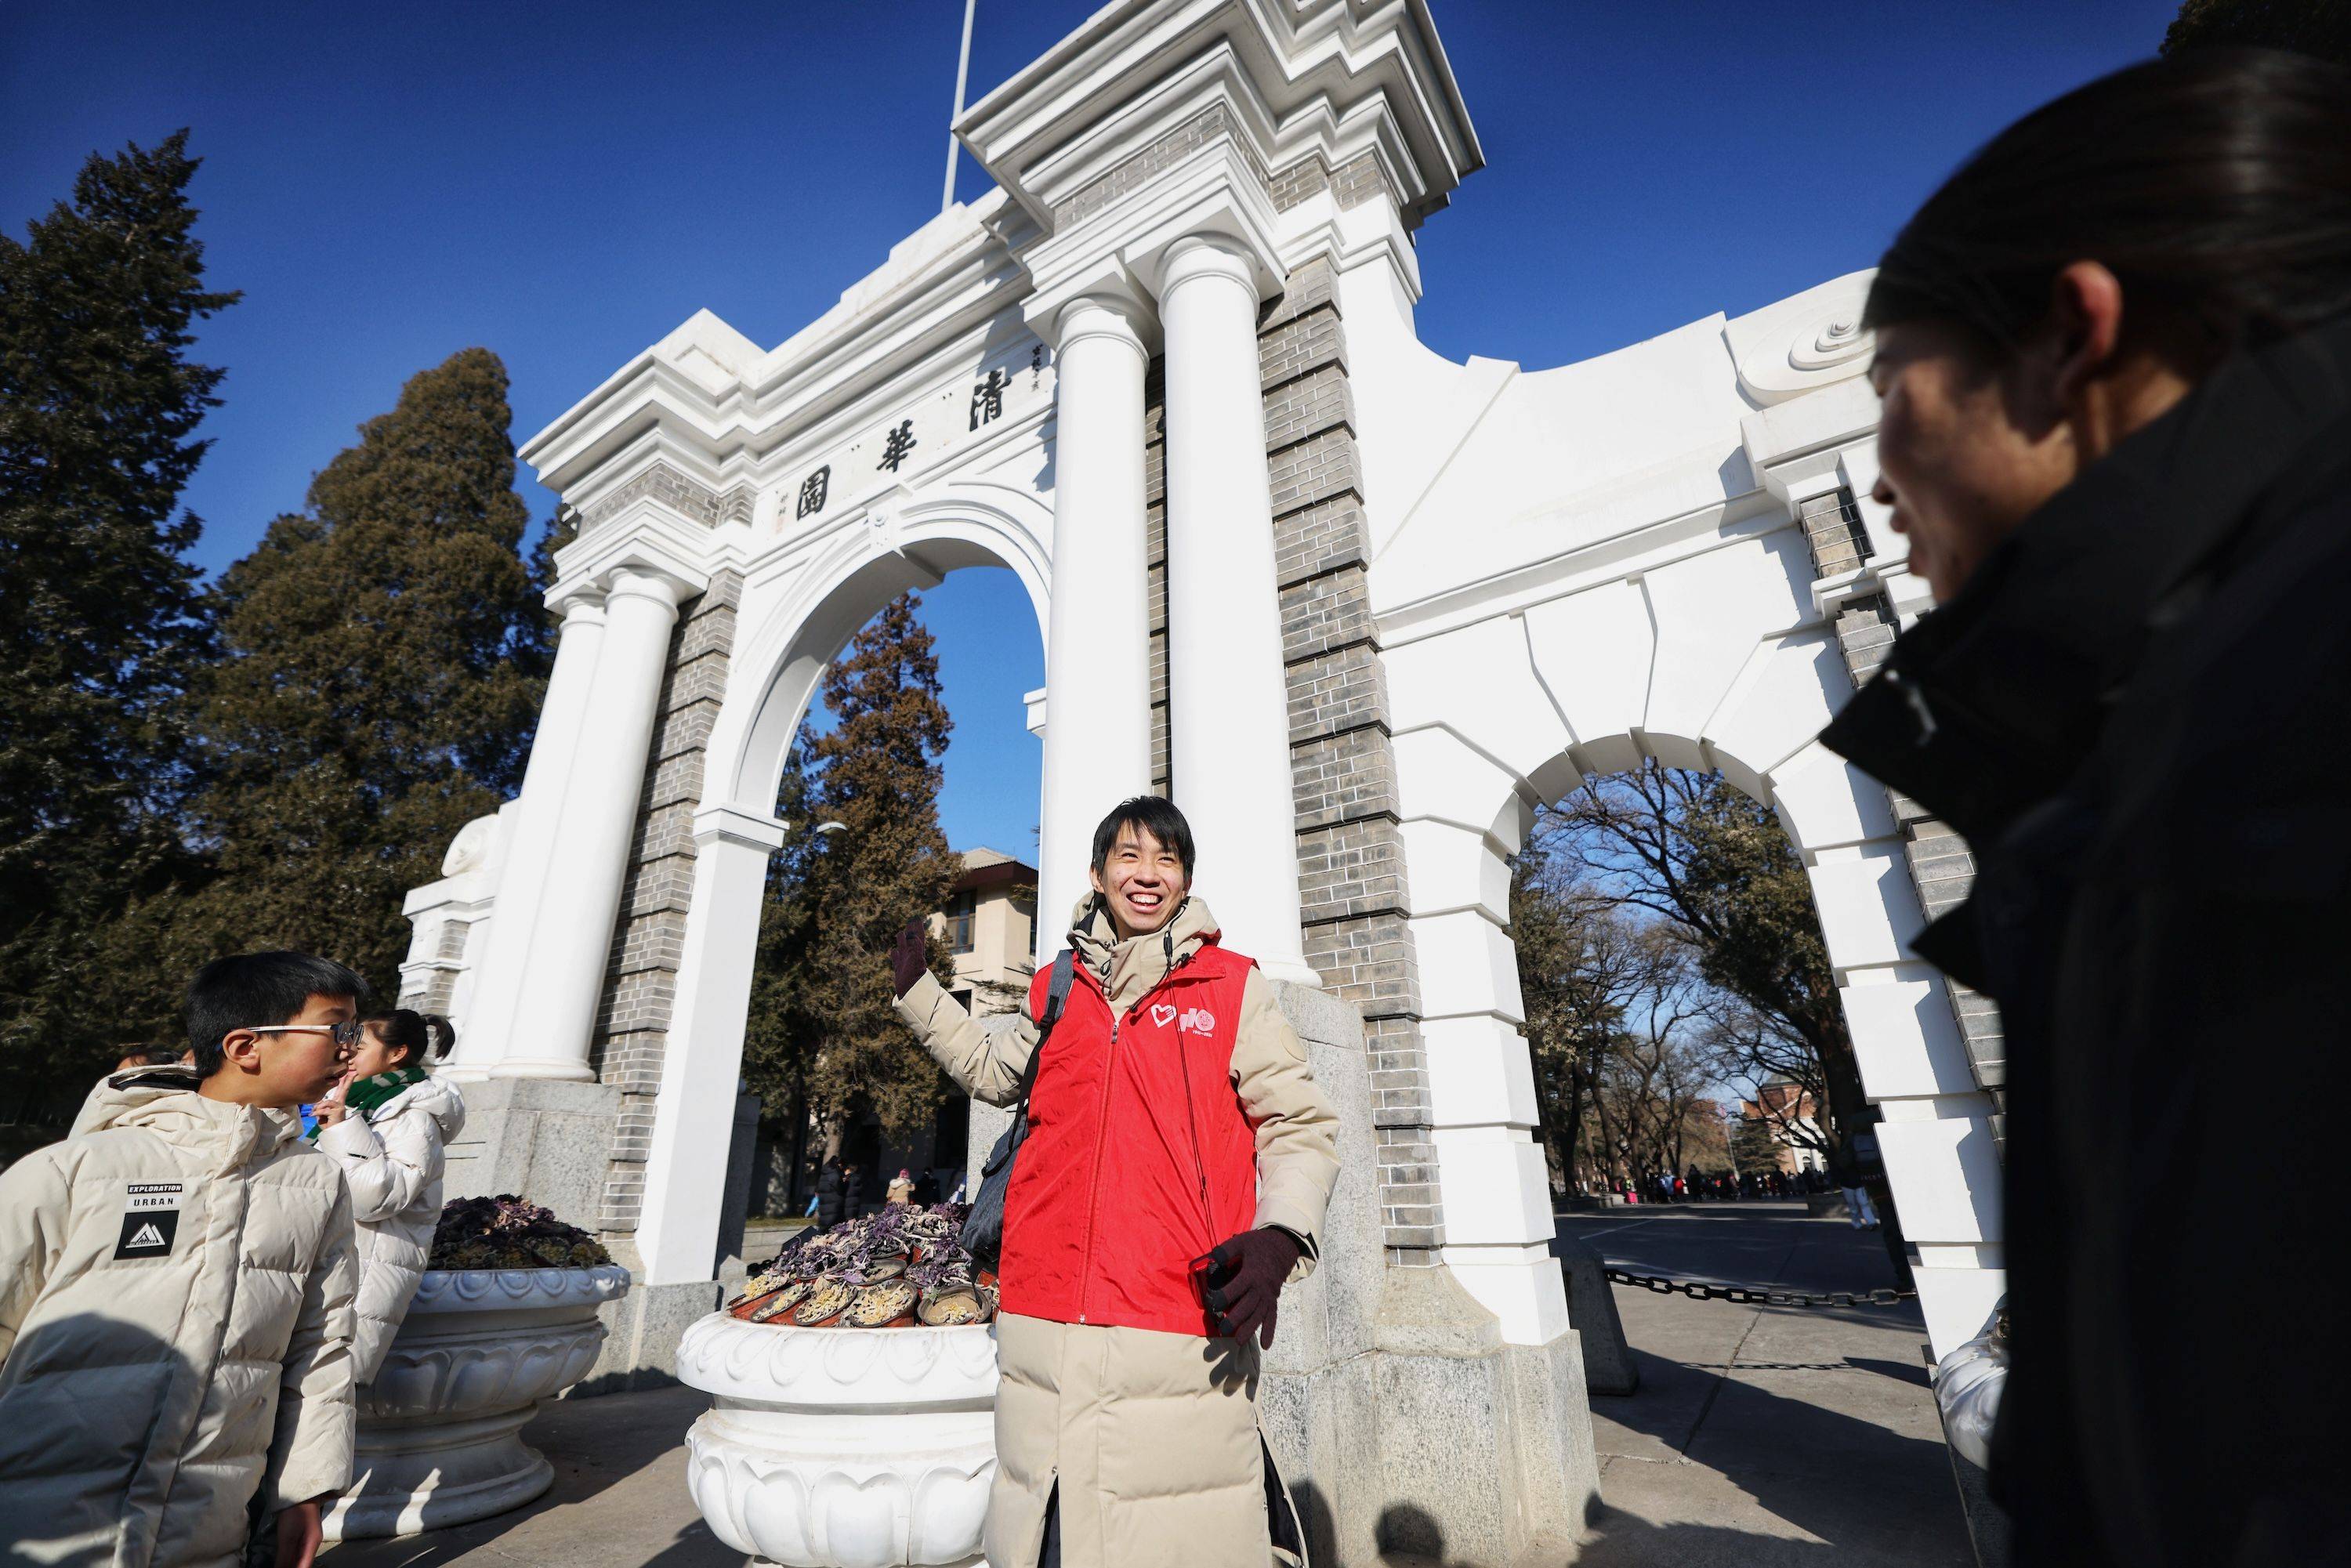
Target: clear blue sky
{"points": [[564, 184]]}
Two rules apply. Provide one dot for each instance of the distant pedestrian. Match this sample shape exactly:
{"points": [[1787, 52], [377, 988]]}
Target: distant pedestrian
{"points": [[926, 1189], [175, 1294], [2113, 352], [829, 1202], [900, 1188], [853, 1191]]}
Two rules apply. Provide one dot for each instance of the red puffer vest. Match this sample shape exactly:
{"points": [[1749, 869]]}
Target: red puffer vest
{"points": [[1139, 1158]]}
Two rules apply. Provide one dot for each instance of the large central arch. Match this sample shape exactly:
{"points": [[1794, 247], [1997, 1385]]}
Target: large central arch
{"points": [[795, 616]]}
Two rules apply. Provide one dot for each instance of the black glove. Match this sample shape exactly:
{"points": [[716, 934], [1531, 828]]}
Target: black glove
{"points": [[910, 957], [1244, 1281]]}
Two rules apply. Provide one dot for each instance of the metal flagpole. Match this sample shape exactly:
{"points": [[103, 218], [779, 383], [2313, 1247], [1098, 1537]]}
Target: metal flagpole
{"points": [[963, 69]]}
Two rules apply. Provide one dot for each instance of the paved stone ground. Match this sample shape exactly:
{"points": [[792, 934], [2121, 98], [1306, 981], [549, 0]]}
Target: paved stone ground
{"points": [[1763, 1436], [1760, 1438]]}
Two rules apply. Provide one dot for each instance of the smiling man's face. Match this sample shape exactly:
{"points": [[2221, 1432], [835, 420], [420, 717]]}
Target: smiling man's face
{"points": [[1142, 881]]}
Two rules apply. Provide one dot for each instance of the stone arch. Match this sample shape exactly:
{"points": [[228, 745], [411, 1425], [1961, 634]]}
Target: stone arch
{"points": [[800, 617], [1716, 658], [805, 615]]}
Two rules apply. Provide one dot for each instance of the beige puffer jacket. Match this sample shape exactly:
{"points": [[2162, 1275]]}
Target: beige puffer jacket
{"points": [[1150, 1439], [392, 1160], [175, 1322]]}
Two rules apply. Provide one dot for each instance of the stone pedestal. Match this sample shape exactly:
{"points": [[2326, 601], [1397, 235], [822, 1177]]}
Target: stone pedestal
{"points": [[1608, 1363], [843, 1447], [547, 1140], [1401, 1419], [440, 1429]]}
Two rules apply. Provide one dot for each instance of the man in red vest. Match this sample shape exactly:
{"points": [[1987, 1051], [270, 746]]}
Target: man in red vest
{"points": [[1173, 1122]]}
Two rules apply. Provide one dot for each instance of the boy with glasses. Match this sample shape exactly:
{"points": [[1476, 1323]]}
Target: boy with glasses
{"points": [[175, 1293]]}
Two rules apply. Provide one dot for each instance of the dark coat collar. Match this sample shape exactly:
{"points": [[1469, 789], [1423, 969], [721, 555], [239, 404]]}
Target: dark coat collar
{"points": [[1993, 702]]}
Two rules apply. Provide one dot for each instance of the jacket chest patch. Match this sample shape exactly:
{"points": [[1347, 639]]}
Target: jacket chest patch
{"points": [[150, 1220], [1188, 1020]]}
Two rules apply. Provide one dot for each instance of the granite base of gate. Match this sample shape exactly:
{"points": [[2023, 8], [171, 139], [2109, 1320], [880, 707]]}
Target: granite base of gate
{"points": [[552, 1141], [1401, 1419]]}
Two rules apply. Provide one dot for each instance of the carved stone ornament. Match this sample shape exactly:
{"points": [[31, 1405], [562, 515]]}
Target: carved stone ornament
{"points": [[843, 1447], [440, 1429]]}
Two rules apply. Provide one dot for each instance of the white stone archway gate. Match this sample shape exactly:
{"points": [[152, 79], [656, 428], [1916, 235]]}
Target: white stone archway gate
{"points": [[1356, 607]]}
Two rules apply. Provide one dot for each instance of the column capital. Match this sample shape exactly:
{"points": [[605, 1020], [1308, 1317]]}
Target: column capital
{"points": [[740, 826], [584, 606], [1207, 256], [1103, 297], [637, 580], [1096, 316]]}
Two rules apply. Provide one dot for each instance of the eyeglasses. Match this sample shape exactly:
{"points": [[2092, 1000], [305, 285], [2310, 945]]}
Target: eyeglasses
{"points": [[347, 1033]]}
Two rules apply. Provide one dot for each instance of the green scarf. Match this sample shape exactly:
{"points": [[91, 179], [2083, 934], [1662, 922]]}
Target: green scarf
{"points": [[367, 1093]]}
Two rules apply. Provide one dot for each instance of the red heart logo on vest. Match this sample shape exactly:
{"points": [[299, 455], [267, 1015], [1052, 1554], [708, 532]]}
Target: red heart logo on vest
{"points": [[1162, 1014]]}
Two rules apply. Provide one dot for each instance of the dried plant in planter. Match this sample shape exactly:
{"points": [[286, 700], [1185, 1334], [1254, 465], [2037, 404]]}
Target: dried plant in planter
{"points": [[504, 1232], [894, 1268]]}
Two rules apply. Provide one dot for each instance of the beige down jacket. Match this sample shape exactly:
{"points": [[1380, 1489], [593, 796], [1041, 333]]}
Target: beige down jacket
{"points": [[1150, 1439], [393, 1159], [175, 1322]]}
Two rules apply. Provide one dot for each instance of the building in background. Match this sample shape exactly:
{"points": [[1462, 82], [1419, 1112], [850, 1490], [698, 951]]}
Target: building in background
{"points": [[1785, 1110]]}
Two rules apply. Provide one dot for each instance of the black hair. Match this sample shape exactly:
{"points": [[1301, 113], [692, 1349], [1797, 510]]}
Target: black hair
{"points": [[427, 1037], [2215, 185], [256, 989], [1152, 814]]}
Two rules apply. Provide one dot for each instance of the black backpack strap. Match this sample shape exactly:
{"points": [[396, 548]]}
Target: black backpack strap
{"points": [[1057, 993]]}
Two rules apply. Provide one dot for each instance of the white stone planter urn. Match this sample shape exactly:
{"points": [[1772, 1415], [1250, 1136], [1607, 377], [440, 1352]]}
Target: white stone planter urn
{"points": [[440, 1430], [843, 1447]]}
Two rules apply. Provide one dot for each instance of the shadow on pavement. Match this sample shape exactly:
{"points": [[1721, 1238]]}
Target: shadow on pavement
{"points": [[1795, 1458], [1900, 1371], [626, 1441]]}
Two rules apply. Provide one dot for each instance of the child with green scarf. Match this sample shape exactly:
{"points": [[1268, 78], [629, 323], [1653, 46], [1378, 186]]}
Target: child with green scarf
{"points": [[388, 1130]]}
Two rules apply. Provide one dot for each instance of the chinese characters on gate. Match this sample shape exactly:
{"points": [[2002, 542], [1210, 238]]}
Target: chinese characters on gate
{"points": [[896, 444]]}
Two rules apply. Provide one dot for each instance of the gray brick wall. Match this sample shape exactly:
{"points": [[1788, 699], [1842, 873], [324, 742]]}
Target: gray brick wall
{"points": [[673, 488], [1351, 872], [1154, 550], [1356, 181], [1942, 868], [1834, 529], [1170, 149], [648, 939]]}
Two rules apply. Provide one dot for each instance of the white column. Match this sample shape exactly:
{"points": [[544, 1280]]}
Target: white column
{"points": [[1097, 637], [486, 1031], [555, 1011], [1229, 708], [693, 1116]]}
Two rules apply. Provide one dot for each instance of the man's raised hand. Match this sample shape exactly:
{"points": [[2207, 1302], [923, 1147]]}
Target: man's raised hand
{"points": [[910, 957]]}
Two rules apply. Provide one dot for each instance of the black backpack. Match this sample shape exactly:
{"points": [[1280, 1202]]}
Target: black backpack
{"points": [[983, 1228]]}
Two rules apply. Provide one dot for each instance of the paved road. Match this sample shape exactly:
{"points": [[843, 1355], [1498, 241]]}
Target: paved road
{"points": [[1763, 1436], [1760, 1436]]}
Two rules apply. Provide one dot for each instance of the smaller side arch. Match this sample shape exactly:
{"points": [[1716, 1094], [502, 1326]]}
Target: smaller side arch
{"points": [[1494, 718]]}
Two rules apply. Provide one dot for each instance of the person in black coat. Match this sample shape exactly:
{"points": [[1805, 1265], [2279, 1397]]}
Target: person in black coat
{"points": [[828, 1196], [853, 1191], [2114, 354]]}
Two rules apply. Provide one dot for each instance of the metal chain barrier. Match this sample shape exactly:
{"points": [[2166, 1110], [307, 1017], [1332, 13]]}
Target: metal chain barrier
{"points": [[1701, 1290]]}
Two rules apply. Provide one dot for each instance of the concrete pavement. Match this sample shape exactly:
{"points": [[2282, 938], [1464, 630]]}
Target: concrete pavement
{"points": [[1760, 1437], [1765, 1436]]}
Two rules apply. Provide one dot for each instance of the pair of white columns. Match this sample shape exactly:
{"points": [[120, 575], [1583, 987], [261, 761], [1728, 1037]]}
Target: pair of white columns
{"points": [[534, 1013], [1228, 722]]}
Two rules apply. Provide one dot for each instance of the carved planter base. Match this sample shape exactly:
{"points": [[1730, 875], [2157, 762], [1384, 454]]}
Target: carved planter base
{"points": [[440, 1430], [843, 1447]]}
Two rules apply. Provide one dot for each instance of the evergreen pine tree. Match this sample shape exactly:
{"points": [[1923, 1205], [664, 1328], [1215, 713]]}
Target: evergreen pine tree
{"points": [[383, 656], [824, 1034], [99, 404]]}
